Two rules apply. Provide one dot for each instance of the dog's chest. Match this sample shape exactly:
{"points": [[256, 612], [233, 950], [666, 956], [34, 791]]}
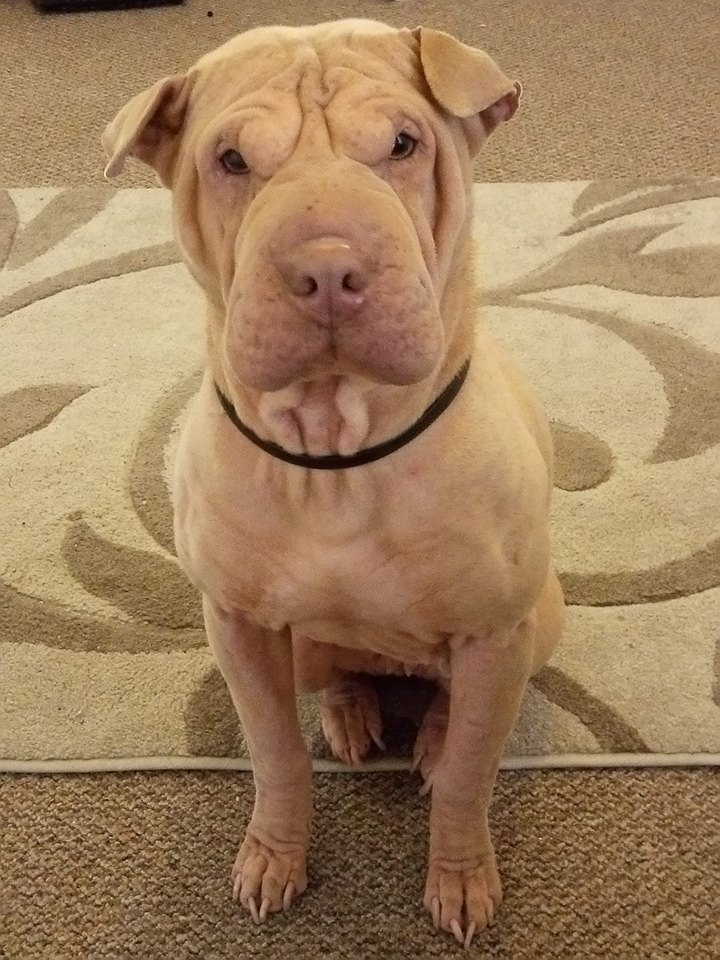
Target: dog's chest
{"points": [[342, 594], [367, 562], [400, 586]]}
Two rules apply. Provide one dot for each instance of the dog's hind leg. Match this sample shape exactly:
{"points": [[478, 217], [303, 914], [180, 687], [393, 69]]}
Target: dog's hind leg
{"points": [[350, 714]]}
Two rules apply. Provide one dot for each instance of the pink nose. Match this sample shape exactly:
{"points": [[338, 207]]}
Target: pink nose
{"points": [[326, 276]]}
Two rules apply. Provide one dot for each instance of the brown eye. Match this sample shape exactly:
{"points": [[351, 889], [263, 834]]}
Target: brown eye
{"points": [[234, 162], [404, 145]]}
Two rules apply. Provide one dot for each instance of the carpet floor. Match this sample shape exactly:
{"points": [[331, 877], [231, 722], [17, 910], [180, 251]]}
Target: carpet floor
{"points": [[596, 864], [625, 88]]}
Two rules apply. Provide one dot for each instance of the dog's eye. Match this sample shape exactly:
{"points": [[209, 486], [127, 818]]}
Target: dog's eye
{"points": [[404, 145], [234, 162]]}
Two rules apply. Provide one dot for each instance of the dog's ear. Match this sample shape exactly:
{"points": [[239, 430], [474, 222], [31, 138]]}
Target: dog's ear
{"points": [[465, 81], [148, 127]]}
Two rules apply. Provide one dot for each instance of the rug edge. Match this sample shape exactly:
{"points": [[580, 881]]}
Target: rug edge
{"points": [[568, 761]]}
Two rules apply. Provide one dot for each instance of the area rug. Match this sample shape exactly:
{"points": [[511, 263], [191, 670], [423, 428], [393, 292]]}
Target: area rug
{"points": [[607, 293]]}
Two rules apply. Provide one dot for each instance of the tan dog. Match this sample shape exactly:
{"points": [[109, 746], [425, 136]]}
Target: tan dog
{"points": [[321, 183]]}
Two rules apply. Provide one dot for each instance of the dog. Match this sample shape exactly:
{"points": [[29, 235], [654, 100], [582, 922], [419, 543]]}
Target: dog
{"points": [[363, 481]]}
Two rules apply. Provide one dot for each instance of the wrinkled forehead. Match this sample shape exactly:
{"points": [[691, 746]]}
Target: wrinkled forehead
{"points": [[311, 62]]}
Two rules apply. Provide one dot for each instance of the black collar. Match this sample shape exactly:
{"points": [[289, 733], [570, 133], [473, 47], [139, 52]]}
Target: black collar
{"points": [[336, 461]]}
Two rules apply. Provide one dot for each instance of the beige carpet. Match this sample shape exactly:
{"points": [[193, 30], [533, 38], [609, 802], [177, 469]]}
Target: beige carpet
{"points": [[595, 865], [621, 865], [605, 292]]}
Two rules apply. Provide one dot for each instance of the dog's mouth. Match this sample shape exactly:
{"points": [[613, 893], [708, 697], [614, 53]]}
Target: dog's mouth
{"points": [[395, 338]]}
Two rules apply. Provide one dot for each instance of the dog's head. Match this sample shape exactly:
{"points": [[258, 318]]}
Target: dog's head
{"points": [[320, 179]]}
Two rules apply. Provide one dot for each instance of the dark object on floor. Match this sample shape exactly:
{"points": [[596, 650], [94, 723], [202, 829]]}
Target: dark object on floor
{"points": [[79, 6]]}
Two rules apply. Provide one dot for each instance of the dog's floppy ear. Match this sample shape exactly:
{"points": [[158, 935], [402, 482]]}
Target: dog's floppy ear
{"points": [[148, 127], [466, 81]]}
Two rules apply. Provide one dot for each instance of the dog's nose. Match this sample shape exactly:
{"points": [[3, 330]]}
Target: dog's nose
{"points": [[326, 275]]}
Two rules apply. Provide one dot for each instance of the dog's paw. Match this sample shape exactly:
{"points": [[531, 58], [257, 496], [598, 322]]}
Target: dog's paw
{"points": [[463, 902], [350, 716], [266, 881], [431, 739]]}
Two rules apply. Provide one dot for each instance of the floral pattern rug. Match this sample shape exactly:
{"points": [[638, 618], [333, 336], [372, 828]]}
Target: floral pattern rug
{"points": [[607, 293]]}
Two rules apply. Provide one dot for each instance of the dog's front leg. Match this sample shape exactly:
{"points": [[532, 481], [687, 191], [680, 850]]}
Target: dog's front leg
{"points": [[257, 665], [488, 677]]}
